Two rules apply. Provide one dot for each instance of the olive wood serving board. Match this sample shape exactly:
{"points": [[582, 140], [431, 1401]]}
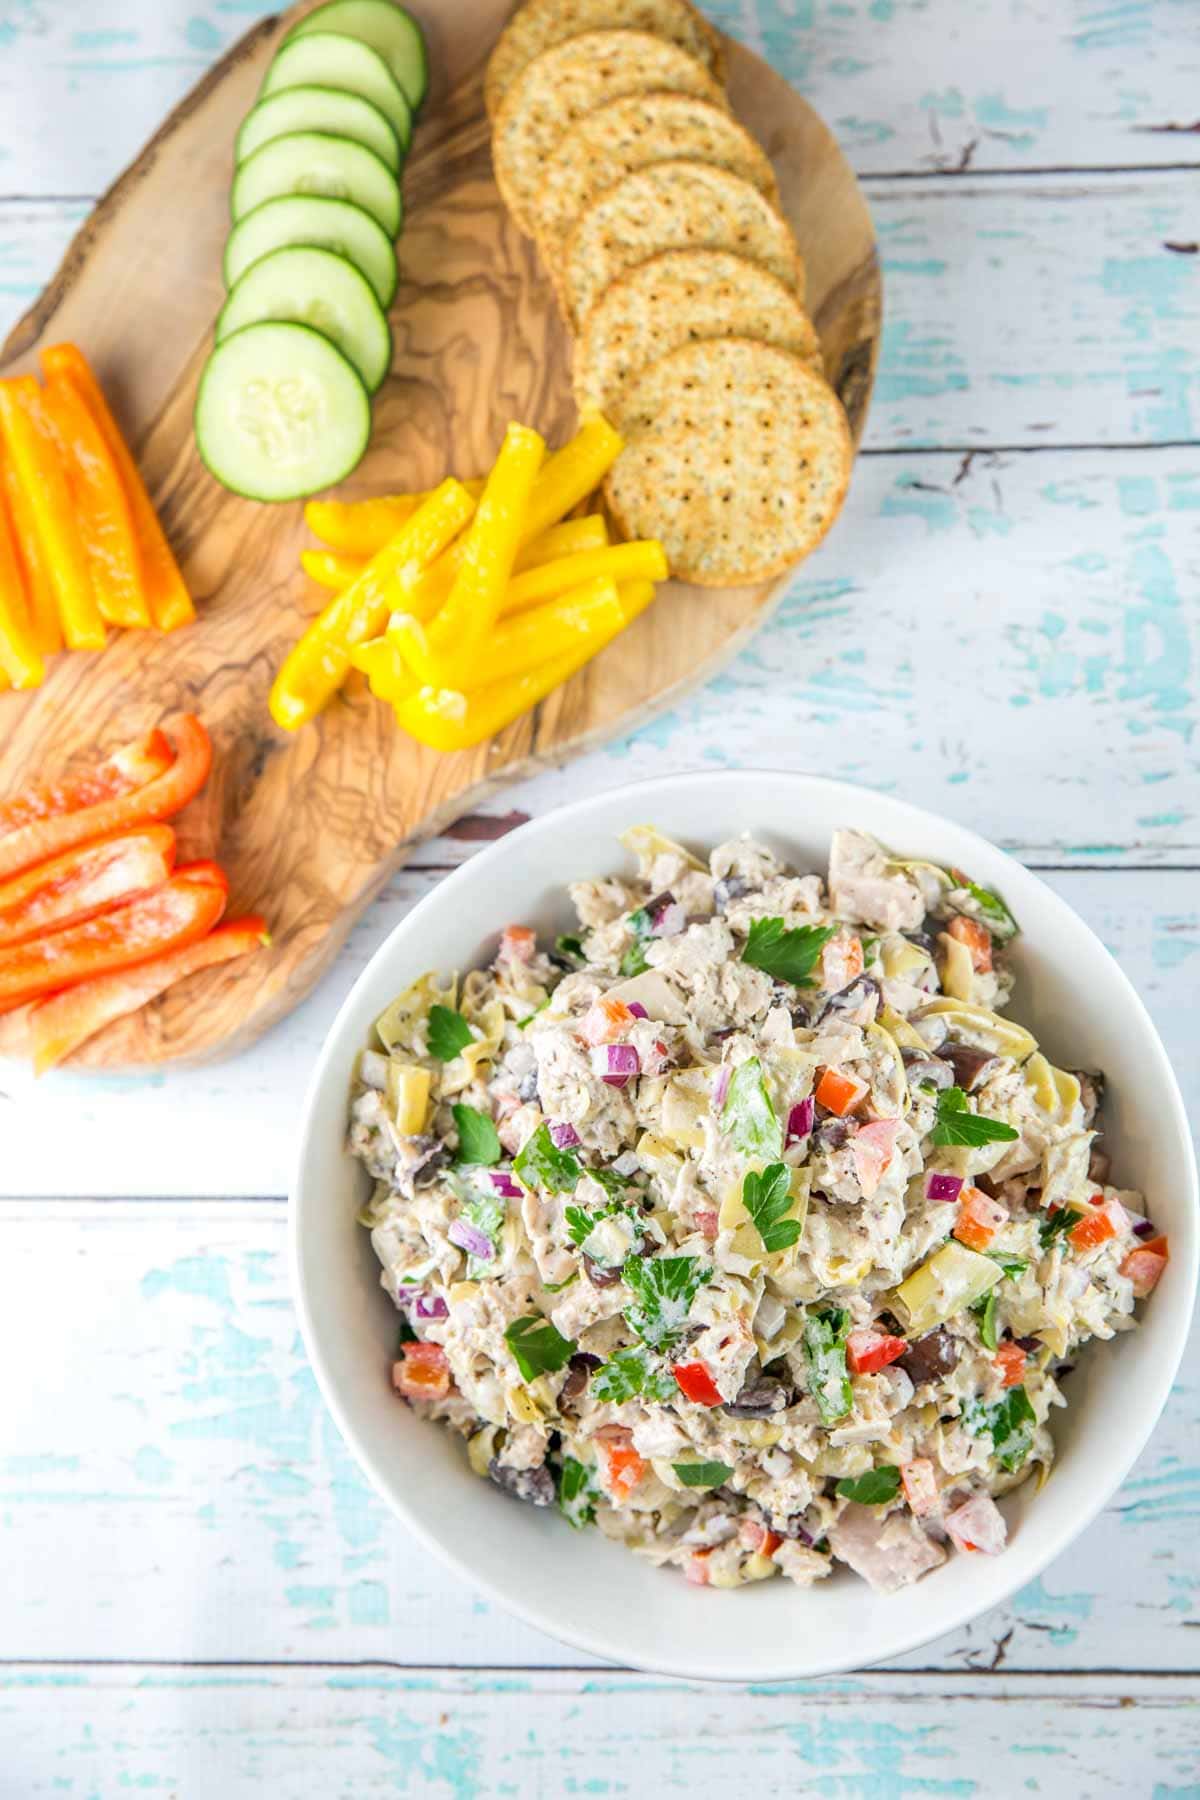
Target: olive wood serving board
{"points": [[310, 827]]}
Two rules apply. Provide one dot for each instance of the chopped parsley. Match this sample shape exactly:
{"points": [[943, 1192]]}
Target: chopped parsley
{"points": [[581, 1223], [985, 1311], [576, 1493], [767, 1198], [1011, 1266], [556, 1287], [531, 1016], [449, 1034], [957, 1124], [477, 1140], [1056, 1224], [537, 1348], [487, 1213], [747, 1117], [570, 949], [786, 955], [1011, 1422], [825, 1335], [634, 960], [663, 1289], [990, 905], [628, 1373], [872, 1489], [702, 1474], [541, 1163]]}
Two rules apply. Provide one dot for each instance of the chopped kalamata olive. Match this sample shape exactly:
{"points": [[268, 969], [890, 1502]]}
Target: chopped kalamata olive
{"points": [[578, 1371], [1091, 1092], [971, 1066], [933, 1355], [528, 1089], [924, 940], [1099, 1165], [848, 999], [534, 1485], [599, 1276], [1028, 1343], [924, 1070], [830, 1134], [731, 888], [432, 1157], [986, 1185], [759, 1395]]}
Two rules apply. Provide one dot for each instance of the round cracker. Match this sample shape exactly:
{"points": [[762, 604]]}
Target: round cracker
{"points": [[628, 134], [682, 297], [674, 206], [564, 83], [541, 24], [737, 457]]}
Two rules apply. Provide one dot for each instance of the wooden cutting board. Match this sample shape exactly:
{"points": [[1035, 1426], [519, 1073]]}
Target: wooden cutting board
{"points": [[311, 827]]}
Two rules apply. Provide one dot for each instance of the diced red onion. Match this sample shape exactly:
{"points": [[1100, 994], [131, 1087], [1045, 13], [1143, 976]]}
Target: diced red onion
{"points": [[504, 1185], [1143, 1229], [615, 1063], [564, 1136], [800, 1120], [670, 921], [637, 1009], [943, 1187], [469, 1237], [431, 1306], [405, 1295], [721, 1087]]}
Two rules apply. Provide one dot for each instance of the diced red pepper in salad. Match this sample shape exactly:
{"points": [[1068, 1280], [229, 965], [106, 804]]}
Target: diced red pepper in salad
{"points": [[1105, 1219], [697, 1384], [869, 1351], [517, 943], [838, 1093], [605, 1021], [422, 1373], [754, 1535], [621, 1468], [920, 1486], [1010, 1360], [979, 1219], [695, 1569], [1144, 1266], [978, 940]]}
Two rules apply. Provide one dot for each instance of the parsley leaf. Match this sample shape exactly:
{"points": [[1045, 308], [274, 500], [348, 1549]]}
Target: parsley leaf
{"points": [[1056, 1224], [787, 955], [985, 1311], [634, 960], [957, 1124], [663, 1289], [628, 1373], [556, 1287], [1012, 1266], [449, 1033], [477, 1140], [570, 948], [873, 1488], [994, 911], [767, 1198], [1011, 1422], [609, 1180], [702, 1474], [825, 1335], [541, 1163], [748, 1118], [581, 1223], [576, 1493], [537, 1347]]}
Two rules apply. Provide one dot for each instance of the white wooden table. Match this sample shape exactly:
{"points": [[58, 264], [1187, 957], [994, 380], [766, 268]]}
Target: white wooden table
{"points": [[200, 1597]]}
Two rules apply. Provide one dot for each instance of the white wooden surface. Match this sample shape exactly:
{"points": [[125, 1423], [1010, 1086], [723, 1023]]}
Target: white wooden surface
{"points": [[200, 1595]]}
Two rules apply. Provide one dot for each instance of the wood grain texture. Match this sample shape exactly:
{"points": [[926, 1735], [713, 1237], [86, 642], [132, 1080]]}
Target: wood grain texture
{"points": [[311, 827]]}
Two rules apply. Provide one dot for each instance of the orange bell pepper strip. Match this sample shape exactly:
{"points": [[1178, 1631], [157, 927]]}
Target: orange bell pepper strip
{"points": [[39, 589], [101, 506], [316, 667], [332, 569], [29, 444], [84, 881], [489, 550], [451, 720], [132, 766], [20, 658], [62, 1023], [174, 915], [160, 798], [162, 580], [838, 1093]]}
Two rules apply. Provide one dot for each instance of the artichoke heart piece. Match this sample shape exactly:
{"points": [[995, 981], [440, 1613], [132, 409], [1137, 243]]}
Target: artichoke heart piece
{"points": [[1056, 1091], [976, 1025], [892, 1085], [902, 960], [949, 1281], [685, 1107], [955, 968], [408, 1089], [747, 1242], [646, 842], [900, 1031], [397, 1026]]}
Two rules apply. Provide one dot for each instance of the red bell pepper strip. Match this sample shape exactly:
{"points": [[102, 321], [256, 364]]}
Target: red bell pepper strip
{"points": [[696, 1384], [159, 798], [62, 1023], [869, 1351], [83, 882], [838, 1093], [178, 913], [132, 766]]}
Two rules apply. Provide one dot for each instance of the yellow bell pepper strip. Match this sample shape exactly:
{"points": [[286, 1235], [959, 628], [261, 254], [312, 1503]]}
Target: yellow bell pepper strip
{"points": [[422, 601], [361, 527], [316, 667], [28, 442], [162, 580], [389, 675], [450, 648], [19, 657], [542, 633], [332, 568], [101, 507], [450, 720], [39, 589], [643, 560]]}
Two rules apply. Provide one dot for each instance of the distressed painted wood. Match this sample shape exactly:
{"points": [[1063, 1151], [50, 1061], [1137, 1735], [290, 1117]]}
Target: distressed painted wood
{"points": [[309, 825], [429, 1735], [999, 84]]}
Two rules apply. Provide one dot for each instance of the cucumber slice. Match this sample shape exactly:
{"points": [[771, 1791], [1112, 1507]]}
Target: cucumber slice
{"points": [[386, 28], [334, 225], [280, 413], [317, 288], [323, 59], [312, 162], [318, 109]]}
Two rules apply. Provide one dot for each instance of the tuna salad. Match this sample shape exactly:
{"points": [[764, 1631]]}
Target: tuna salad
{"points": [[741, 1222]]}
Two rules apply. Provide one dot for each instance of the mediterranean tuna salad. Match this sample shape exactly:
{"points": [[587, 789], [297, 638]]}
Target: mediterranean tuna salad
{"points": [[740, 1221]]}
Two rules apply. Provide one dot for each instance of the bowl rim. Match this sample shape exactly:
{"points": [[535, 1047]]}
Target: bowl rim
{"points": [[598, 1642]]}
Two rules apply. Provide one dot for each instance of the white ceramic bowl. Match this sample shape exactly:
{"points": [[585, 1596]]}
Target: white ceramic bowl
{"points": [[577, 1585]]}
